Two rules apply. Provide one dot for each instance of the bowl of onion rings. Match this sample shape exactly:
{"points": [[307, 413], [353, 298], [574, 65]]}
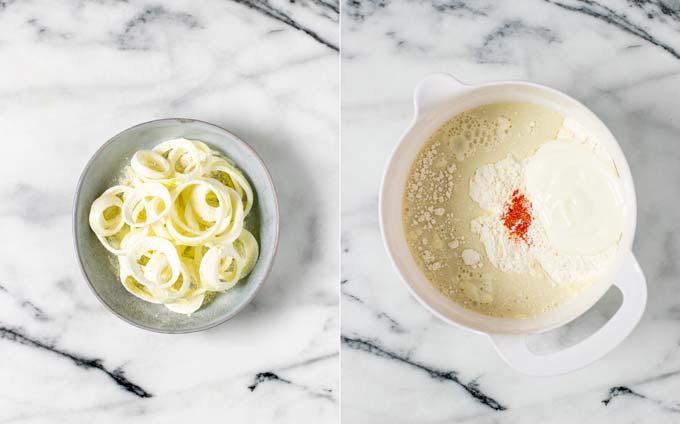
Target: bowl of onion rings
{"points": [[175, 225]]}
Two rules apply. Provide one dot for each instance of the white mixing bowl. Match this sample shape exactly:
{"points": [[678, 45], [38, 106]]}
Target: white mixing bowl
{"points": [[438, 98]]}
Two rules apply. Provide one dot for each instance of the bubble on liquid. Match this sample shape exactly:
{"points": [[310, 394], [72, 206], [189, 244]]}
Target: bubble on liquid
{"points": [[460, 147]]}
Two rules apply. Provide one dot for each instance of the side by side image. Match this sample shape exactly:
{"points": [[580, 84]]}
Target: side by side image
{"points": [[340, 211]]}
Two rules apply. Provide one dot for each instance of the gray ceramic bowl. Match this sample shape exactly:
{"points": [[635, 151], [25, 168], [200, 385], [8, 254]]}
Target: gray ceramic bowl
{"points": [[103, 170]]}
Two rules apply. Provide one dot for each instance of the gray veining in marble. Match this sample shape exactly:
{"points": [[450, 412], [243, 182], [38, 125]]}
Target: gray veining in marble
{"points": [[75, 72], [402, 365]]}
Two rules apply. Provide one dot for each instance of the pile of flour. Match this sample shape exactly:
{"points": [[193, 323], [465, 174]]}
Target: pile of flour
{"points": [[491, 187]]}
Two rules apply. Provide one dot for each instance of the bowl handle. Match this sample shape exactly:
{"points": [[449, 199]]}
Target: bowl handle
{"points": [[434, 90], [631, 282]]}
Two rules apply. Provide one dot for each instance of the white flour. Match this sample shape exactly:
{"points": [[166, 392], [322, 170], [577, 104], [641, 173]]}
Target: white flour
{"points": [[491, 187], [472, 258]]}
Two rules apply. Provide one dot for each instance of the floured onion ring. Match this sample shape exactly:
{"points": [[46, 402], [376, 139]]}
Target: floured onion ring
{"points": [[150, 165], [237, 180], [221, 267], [106, 218], [186, 229], [176, 225], [142, 201]]}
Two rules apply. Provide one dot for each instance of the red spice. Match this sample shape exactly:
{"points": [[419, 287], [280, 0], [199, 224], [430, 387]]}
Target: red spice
{"points": [[517, 216]]}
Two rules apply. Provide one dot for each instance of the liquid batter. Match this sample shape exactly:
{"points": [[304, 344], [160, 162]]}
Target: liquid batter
{"points": [[438, 210]]}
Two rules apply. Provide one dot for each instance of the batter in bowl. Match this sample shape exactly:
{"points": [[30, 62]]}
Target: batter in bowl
{"points": [[510, 209]]}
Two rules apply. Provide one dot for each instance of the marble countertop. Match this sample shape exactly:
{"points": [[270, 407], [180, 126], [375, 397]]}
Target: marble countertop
{"points": [[400, 364], [75, 72]]}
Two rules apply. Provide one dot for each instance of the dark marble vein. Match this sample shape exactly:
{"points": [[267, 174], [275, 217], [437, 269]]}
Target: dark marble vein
{"points": [[36, 311], [619, 20], [352, 297], [359, 10], [308, 361], [331, 5], [658, 9], [135, 37], [261, 377], [444, 6], [513, 27], [263, 7], [393, 325], [267, 376], [273, 375], [391, 322], [492, 49], [472, 387], [405, 44], [117, 374], [327, 9], [617, 391]]}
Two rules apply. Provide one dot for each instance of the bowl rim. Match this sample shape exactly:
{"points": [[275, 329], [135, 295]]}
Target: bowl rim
{"points": [[259, 284]]}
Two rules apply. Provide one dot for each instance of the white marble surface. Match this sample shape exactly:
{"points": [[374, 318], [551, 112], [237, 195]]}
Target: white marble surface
{"points": [[75, 72], [622, 59]]}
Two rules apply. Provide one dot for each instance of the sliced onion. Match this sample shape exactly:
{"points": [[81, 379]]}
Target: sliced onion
{"points": [[139, 195], [132, 236], [158, 229], [133, 286], [204, 152], [118, 243], [190, 237], [118, 190], [99, 223], [247, 247], [190, 219], [212, 270], [174, 245], [150, 165], [176, 150], [187, 306], [200, 205], [237, 178], [232, 227], [142, 247]]}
